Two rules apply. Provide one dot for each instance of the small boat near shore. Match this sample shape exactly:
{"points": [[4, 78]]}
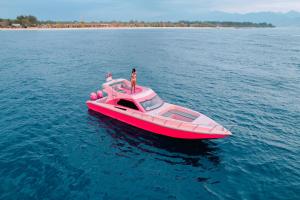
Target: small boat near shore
{"points": [[146, 110]]}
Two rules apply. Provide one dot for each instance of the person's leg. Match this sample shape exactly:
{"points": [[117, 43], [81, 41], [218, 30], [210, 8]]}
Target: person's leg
{"points": [[134, 87]]}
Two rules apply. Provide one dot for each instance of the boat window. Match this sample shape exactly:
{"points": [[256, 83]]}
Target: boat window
{"points": [[152, 104], [128, 104]]}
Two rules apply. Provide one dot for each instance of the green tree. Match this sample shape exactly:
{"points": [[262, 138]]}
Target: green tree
{"points": [[26, 21]]}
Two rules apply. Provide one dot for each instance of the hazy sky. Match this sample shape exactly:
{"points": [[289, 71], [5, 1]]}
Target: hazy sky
{"points": [[137, 9]]}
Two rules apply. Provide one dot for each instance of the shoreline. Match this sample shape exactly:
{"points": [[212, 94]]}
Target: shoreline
{"points": [[119, 28]]}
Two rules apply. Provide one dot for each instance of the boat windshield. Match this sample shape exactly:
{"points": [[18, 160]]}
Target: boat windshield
{"points": [[153, 103]]}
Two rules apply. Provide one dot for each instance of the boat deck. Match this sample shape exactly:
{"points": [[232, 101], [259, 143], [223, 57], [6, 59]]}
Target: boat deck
{"points": [[124, 88], [180, 115]]}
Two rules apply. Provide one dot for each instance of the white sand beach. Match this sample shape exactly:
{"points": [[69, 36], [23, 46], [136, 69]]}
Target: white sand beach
{"points": [[106, 28]]}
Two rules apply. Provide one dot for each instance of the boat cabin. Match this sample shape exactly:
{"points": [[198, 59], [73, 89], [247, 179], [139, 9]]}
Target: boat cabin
{"points": [[144, 100], [119, 94]]}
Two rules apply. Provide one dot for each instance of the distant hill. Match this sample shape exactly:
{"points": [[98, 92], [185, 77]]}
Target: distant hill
{"points": [[291, 18]]}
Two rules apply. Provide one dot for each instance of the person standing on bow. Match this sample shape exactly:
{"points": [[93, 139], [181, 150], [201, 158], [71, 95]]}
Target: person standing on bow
{"points": [[133, 80]]}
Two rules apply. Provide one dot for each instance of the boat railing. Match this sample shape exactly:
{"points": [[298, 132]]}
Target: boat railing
{"points": [[179, 125]]}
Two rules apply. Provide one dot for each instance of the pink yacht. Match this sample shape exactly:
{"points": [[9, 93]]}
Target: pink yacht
{"points": [[146, 110]]}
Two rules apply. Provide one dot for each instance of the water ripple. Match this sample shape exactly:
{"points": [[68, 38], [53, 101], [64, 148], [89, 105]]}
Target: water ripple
{"points": [[53, 148]]}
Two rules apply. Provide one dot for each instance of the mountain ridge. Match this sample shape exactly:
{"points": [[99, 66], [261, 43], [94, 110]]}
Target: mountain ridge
{"points": [[291, 18]]}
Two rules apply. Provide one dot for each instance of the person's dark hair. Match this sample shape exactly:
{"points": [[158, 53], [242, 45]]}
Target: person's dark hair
{"points": [[133, 70]]}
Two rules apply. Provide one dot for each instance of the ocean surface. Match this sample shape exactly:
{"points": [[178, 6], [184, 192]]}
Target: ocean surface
{"points": [[52, 147]]}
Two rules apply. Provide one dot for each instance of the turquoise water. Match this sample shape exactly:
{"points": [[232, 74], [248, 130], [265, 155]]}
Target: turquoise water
{"points": [[52, 147]]}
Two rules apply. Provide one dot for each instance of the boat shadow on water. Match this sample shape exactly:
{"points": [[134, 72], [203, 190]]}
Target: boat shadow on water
{"points": [[170, 150]]}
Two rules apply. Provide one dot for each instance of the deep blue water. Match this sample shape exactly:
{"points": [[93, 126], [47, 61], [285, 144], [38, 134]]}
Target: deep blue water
{"points": [[52, 147]]}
